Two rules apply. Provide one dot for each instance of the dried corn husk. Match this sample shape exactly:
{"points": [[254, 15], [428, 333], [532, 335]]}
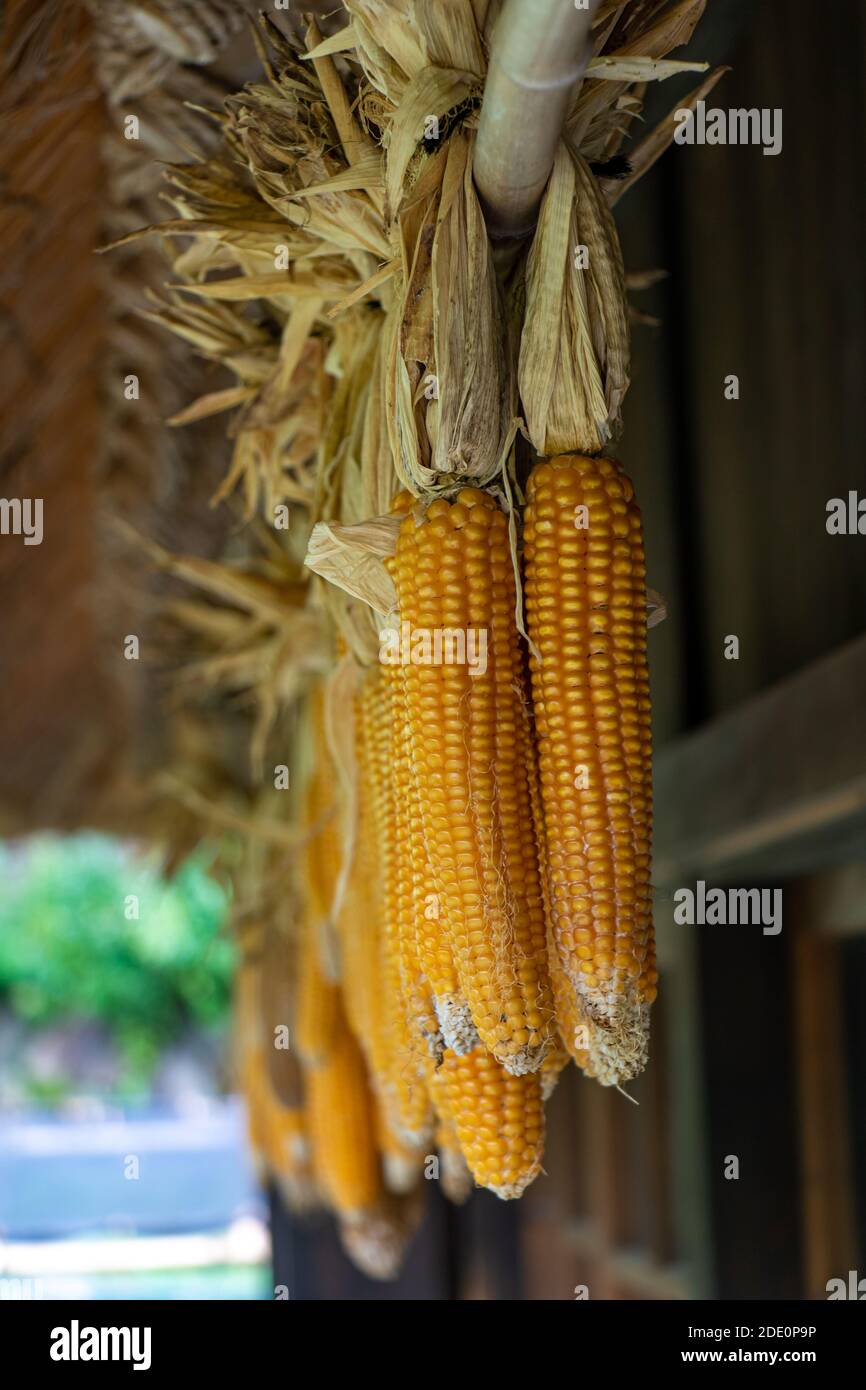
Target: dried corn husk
{"points": [[574, 348], [448, 389]]}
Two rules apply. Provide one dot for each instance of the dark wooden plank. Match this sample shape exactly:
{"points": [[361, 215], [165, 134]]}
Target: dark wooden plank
{"points": [[770, 284], [548, 1210], [773, 788], [826, 1192], [746, 1030], [853, 992]]}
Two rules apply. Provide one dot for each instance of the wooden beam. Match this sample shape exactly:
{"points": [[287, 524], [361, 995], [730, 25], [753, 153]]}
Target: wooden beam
{"points": [[774, 789]]}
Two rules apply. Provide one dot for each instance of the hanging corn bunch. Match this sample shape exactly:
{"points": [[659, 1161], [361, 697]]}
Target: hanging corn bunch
{"points": [[472, 852]]}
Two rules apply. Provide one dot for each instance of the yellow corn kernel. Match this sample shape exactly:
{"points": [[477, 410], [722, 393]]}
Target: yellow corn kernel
{"points": [[586, 616], [498, 1119], [341, 1123], [470, 748]]}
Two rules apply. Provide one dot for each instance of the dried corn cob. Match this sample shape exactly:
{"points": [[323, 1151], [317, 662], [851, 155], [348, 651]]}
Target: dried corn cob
{"points": [[454, 1174], [276, 1006], [498, 1119], [552, 1067], [376, 1242], [402, 1163], [342, 1122], [359, 921], [317, 1000], [586, 615], [428, 960], [470, 749], [396, 1063], [416, 990], [251, 1077], [249, 1059], [288, 1153]]}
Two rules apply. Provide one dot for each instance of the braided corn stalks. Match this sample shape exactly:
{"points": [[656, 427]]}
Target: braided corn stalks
{"points": [[586, 616]]}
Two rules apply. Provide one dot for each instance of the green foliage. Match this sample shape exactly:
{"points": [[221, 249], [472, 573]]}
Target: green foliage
{"points": [[71, 946]]}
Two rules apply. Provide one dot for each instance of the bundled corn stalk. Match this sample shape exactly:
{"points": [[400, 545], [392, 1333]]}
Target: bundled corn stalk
{"points": [[472, 851]]}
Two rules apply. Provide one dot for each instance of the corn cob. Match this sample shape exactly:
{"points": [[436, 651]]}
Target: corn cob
{"points": [[251, 1078], [248, 1060], [429, 972], [276, 1005], [454, 1174], [470, 748], [498, 1119], [376, 1242], [318, 991], [396, 1063], [586, 615], [402, 1163], [552, 1067], [288, 1153], [417, 994], [317, 999], [359, 921], [341, 1123]]}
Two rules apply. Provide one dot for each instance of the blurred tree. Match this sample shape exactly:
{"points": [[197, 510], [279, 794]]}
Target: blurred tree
{"points": [[73, 948]]}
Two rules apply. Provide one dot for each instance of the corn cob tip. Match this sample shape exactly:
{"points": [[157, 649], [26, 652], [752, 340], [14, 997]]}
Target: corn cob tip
{"points": [[496, 1118], [455, 1020], [619, 1053], [297, 1191], [416, 1138], [376, 1241], [549, 1083], [521, 1061], [454, 1175], [509, 1192], [400, 1172]]}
